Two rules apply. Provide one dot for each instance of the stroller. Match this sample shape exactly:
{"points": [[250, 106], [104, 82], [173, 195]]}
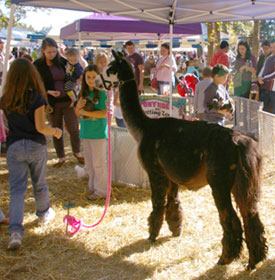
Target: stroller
{"points": [[187, 84]]}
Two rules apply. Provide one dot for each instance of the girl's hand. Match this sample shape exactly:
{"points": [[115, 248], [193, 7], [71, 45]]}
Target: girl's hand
{"points": [[260, 80], [58, 133], [229, 116], [251, 69], [242, 68], [80, 104]]}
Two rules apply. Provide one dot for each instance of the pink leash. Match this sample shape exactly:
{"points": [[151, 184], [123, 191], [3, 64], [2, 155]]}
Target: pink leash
{"points": [[74, 225]]}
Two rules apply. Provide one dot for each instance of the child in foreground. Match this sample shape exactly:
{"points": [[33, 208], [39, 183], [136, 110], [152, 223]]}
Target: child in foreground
{"points": [[23, 103], [94, 132], [74, 72], [217, 104]]}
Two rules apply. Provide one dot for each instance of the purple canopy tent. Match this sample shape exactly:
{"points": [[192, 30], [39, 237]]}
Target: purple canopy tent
{"points": [[108, 27]]}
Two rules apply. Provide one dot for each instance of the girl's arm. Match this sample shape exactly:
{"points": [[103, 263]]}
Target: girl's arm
{"points": [[41, 127], [99, 114], [94, 114], [80, 104], [54, 93]]}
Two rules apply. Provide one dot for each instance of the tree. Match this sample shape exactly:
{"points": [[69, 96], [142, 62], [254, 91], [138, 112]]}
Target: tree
{"points": [[210, 38], [20, 13], [267, 29], [214, 38], [255, 38], [217, 35]]}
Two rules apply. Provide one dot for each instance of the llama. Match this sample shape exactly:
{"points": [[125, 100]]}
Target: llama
{"points": [[177, 152]]}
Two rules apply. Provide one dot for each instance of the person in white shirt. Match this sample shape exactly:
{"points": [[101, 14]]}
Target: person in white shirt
{"points": [[163, 70]]}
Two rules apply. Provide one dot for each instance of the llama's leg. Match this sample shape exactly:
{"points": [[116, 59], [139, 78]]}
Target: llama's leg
{"points": [[253, 228], [232, 230], [174, 212], [159, 188]]}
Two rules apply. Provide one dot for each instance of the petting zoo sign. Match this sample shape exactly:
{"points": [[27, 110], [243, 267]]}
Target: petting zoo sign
{"points": [[156, 106]]}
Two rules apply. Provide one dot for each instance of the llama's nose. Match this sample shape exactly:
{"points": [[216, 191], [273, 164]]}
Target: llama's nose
{"points": [[98, 84]]}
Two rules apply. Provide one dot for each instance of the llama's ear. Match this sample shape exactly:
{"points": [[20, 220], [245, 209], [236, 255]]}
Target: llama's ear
{"points": [[120, 55], [116, 55]]}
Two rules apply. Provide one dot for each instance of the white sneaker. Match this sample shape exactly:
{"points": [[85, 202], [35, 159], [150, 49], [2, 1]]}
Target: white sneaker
{"points": [[15, 241], [81, 173], [48, 216]]}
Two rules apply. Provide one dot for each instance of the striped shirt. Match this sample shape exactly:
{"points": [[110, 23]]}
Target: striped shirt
{"points": [[268, 73]]}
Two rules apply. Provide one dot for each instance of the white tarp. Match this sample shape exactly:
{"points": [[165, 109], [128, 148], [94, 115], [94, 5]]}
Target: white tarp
{"points": [[186, 11]]}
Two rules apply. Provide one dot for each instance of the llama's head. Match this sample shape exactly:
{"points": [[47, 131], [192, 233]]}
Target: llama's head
{"points": [[117, 72]]}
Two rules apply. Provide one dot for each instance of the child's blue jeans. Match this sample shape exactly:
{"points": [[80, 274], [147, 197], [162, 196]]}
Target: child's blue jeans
{"points": [[25, 156]]}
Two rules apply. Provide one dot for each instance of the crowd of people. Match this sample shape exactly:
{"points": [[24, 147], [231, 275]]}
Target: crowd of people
{"points": [[60, 83]]}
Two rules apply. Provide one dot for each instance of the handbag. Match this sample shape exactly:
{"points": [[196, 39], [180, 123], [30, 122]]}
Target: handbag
{"points": [[237, 79], [154, 83], [254, 91]]}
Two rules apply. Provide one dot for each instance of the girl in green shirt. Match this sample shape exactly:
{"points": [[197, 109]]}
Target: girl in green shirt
{"points": [[93, 132]]}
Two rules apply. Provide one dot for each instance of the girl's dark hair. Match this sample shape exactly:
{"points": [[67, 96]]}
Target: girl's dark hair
{"points": [[21, 79], [166, 46], [248, 51], [49, 42], [84, 91]]}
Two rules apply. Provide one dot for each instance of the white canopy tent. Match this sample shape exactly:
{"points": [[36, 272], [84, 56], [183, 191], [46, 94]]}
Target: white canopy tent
{"points": [[167, 11]]}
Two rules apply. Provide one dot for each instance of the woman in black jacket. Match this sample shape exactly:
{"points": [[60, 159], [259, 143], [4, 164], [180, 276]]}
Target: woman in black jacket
{"points": [[51, 67]]}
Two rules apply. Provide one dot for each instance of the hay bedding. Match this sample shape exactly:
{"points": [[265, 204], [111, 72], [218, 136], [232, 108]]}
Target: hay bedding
{"points": [[117, 249]]}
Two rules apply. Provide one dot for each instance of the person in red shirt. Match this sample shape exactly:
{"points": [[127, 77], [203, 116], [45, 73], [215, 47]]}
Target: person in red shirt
{"points": [[221, 57]]}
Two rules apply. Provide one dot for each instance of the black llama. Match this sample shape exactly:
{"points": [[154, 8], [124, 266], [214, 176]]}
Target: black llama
{"points": [[178, 152]]}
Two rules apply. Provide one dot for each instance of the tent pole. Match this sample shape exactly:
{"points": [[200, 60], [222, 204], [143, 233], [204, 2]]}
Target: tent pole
{"points": [[171, 23], [171, 71], [8, 43], [158, 52], [79, 41]]}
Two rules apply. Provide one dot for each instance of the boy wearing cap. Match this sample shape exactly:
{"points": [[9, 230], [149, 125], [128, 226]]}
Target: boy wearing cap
{"points": [[215, 94]]}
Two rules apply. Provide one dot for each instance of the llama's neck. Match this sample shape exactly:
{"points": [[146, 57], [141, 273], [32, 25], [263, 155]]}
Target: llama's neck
{"points": [[132, 111]]}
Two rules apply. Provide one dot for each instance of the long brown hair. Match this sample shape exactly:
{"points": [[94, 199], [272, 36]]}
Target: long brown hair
{"points": [[49, 42], [21, 78], [84, 92]]}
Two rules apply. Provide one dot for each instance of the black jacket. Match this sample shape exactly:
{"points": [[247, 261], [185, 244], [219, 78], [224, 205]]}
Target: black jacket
{"points": [[48, 80]]}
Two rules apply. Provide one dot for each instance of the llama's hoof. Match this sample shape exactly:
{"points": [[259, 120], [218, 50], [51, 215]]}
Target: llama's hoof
{"points": [[221, 262], [152, 238], [224, 261], [177, 233], [250, 267]]}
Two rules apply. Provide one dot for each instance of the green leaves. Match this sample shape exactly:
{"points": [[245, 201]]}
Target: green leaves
{"points": [[20, 13]]}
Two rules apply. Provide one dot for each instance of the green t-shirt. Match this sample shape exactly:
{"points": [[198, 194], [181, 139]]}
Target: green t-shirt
{"points": [[95, 128]]}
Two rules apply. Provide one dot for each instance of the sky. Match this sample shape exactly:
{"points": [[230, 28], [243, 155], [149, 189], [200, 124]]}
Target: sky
{"points": [[55, 17]]}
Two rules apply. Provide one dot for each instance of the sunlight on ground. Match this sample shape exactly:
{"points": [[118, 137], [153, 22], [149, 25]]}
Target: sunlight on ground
{"points": [[118, 248]]}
